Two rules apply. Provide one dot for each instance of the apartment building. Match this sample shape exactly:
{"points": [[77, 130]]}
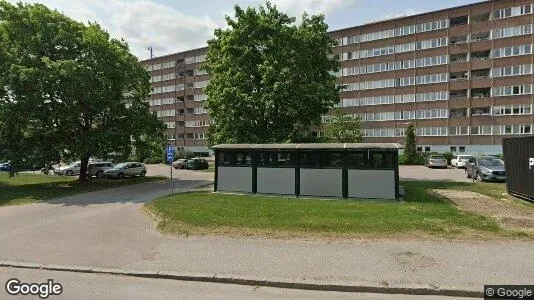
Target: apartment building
{"points": [[463, 76]]}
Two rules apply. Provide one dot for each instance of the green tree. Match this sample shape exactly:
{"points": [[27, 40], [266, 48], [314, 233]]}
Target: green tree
{"points": [[410, 148], [67, 89], [343, 129], [270, 79]]}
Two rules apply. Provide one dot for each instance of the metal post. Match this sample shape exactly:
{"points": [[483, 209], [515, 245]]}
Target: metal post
{"points": [[172, 182]]}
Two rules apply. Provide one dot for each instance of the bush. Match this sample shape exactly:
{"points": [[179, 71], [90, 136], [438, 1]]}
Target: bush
{"points": [[154, 160], [184, 154], [448, 156]]}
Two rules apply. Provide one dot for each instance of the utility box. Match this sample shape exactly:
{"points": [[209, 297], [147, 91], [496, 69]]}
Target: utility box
{"points": [[519, 163]]}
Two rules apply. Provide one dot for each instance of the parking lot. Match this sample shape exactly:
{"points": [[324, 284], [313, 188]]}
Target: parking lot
{"points": [[424, 173], [405, 173]]}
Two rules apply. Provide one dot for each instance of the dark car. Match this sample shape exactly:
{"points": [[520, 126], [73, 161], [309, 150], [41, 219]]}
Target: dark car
{"points": [[5, 166], [485, 168], [197, 164]]}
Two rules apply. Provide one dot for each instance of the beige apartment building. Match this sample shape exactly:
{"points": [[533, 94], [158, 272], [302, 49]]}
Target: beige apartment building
{"points": [[464, 76]]}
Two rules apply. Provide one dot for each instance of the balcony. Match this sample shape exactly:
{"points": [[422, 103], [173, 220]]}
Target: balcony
{"points": [[457, 40], [478, 18], [480, 36], [458, 113], [480, 55], [462, 20], [458, 94], [481, 93], [480, 74], [458, 58], [480, 111], [459, 76]]}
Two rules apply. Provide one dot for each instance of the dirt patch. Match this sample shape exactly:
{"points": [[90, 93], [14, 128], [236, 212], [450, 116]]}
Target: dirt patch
{"points": [[505, 213]]}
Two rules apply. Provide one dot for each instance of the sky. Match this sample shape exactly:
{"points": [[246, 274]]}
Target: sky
{"points": [[170, 26]]}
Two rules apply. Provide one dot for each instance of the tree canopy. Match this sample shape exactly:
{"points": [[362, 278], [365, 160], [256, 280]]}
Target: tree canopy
{"points": [[270, 78], [343, 129], [69, 90]]}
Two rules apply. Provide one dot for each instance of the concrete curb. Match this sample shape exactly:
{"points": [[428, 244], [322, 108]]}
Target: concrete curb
{"points": [[353, 287]]}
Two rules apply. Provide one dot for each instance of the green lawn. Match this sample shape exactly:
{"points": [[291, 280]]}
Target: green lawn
{"points": [[28, 188], [421, 215], [211, 168]]}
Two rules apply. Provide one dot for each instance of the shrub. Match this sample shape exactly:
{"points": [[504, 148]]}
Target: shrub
{"points": [[448, 156], [184, 154]]}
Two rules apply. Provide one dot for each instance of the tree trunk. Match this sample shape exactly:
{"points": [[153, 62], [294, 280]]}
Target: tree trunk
{"points": [[83, 167]]}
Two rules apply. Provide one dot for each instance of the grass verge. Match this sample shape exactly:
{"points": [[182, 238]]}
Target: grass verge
{"points": [[28, 188], [421, 215]]}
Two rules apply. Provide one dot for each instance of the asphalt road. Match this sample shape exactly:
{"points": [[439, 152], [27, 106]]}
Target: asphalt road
{"points": [[98, 286]]}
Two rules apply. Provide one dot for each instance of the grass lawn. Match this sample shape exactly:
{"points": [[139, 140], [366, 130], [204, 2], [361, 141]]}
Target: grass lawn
{"points": [[211, 168], [421, 215], [28, 188]]}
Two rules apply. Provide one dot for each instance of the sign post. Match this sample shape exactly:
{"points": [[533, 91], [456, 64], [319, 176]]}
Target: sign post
{"points": [[170, 160]]}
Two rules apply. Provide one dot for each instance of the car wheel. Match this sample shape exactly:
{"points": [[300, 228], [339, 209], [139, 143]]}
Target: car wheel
{"points": [[120, 175], [142, 174], [99, 174], [467, 175], [69, 173], [478, 177]]}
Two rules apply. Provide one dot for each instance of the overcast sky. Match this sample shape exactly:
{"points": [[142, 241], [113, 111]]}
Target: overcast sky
{"points": [[176, 25]]}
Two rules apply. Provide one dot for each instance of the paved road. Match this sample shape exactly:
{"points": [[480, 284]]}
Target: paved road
{"points": [[94, 286]]}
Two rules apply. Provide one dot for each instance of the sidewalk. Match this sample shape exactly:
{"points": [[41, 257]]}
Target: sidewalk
{"points": [[108, 229]]}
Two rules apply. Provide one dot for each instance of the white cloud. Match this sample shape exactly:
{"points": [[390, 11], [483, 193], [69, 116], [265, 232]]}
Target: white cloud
{"points": [[403, 13], [142, 23], [297, 7]]}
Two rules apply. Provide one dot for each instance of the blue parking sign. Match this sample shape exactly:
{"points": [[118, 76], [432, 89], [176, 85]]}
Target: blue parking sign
{"points": [[170, 154]]}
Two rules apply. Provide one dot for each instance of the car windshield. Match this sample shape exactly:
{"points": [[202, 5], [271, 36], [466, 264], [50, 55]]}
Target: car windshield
{"points": [[487, 162], [120, 166]]}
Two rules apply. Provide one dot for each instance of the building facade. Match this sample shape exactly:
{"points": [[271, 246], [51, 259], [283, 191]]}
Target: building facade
{"points": [[464, 76]]}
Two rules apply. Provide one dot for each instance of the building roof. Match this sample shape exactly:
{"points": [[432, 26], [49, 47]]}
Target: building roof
{"points": [[330, 146]]}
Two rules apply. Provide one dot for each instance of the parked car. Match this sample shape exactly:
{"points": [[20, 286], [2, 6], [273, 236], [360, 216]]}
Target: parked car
{"points": [[179, 163], [459, 161], [197, 164], [5, 166], [69, 170], [98, 168], [126, 169], [436, 161], [485, 168]]}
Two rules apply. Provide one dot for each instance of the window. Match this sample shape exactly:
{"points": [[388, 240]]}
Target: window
{"points": [[453, 149], [512, 31], [512, 11], [235, 158], [512, 71], [381, 160], [462, 149], [272, 159], [512, 51], [419, 149], [327, 160], [512, 90], [427, 149]]}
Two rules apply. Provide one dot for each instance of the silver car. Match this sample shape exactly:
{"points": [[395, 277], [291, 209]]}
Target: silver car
{"points": [[485, 168], [126, 169], [436, 161], [98, 168], [69, 170]]}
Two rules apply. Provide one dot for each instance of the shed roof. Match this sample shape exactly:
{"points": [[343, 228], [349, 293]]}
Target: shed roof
{"points": [[331, 146]]}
